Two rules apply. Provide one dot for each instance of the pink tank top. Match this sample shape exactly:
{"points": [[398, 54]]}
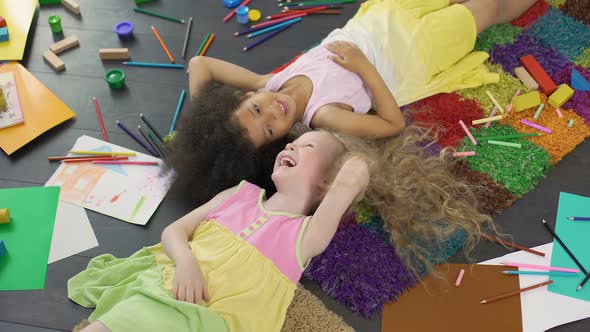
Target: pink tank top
{"points": [[275, 234], [331, 83]]}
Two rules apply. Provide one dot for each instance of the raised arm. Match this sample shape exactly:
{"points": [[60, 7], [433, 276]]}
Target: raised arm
{"points": [[387, 121], [350, 183], [203, 69]]}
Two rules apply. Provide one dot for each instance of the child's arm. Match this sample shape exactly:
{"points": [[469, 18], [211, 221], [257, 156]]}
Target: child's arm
{"points": [[389, 119], [203, 69], [350, 183], [189, 283]]}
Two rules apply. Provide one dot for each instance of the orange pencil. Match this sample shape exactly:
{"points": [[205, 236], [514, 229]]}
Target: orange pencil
{"points": [[162, 44], [516, 292], [207, 45], [99, 115]]}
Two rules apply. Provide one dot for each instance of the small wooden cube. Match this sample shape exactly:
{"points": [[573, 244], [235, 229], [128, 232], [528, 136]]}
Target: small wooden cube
{"points": [[2, 22], [561, 96], [4, 34], [114, 53], [526, 101], [526, 78], [2, 248], [72, 5], [4, 216], [64, 44], [54, 61]]}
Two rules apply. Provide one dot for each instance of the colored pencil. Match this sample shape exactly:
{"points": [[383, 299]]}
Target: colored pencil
{"points": [[160, 148], [252, 30], [177, 113], [300, 6], [233, 12], [188, 31], [149, 124], [203, 44], [60, 158], [136, 138], [567, 250], [159, 38], [326, 12], [581, 285], [272, 28], [516, 292], [145, 136], [459, 278], [152, 64], [104, 153], [512, 245], [206, 47], [505, 137], [86, 160], [287, 13], [122, 162], [265, 38], [540, 273], [542, 267], [580, 218], [100, 122], [146, 12], [273, 22], [316, 3]]}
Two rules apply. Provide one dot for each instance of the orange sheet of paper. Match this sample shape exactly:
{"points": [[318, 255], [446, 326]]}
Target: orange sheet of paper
{"points": [[41, 108], [443, 307], [18, 15]]}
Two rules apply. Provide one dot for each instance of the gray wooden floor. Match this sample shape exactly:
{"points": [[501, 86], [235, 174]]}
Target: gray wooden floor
{"points": [[155, 92]]}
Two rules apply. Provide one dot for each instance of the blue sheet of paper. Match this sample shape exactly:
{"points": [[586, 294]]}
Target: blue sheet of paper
{"points": [[575, 235]]}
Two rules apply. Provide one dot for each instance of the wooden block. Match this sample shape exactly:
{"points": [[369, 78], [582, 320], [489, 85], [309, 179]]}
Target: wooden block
{"points": [[114, 53], [561, 96], [53, 61], [4, 216], [4, 34], [527, 100], [72, 5], [64, 44], [539, 74], [526, 78], [2, 22]]}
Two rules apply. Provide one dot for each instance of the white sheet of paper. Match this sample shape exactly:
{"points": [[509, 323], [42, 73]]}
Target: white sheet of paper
{"points": [[72, 232], [541, 309]]}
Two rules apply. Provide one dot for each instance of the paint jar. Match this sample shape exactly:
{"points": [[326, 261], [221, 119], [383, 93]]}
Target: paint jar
{"points": [[242, 14], [254, 15], [115, 78], [231, 3], [55, 23], [124, 30]]}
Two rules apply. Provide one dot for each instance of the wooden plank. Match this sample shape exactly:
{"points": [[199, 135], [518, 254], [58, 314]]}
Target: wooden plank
{"points": [[114, 53], [65, 44], [54, 61]]}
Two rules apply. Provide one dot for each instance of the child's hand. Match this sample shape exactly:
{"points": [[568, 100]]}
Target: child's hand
{"points": [[355, 172], [348, 56], [189, 283]]}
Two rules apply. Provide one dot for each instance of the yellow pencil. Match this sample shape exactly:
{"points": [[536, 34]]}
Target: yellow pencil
{"points": [[103, 153]]}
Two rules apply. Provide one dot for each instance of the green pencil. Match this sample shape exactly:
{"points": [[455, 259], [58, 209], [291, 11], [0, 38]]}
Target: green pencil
{"points": [[203, 44], [160, 148], [143, 11]]}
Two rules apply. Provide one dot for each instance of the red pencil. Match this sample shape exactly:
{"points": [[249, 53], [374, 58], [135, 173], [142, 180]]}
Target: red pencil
{"points": [[292, 12], [516, 292], [86, 160], [122, 162], [273, 22], [233, 12], [99, 115], [162, 44]]}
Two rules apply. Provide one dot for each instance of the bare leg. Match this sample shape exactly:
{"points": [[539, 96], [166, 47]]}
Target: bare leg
{"points": [[96, 326], [491, 12]]}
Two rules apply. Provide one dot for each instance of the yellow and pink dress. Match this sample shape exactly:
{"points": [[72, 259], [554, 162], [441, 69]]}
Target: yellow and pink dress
{"points": [[248, 255]]}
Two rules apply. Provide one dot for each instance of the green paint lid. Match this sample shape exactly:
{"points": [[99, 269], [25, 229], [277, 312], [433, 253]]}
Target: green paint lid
{"points": [[115, 78]]}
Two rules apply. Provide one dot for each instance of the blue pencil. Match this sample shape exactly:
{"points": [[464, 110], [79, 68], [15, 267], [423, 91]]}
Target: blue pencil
{"points": [[580, 218], [178, 108], [273, 27], [135, 137], [265, 38], [541, 273], [153, 64]]}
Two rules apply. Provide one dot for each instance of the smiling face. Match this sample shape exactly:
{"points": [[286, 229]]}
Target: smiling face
{"points": [[307, 161], [266, 116]]}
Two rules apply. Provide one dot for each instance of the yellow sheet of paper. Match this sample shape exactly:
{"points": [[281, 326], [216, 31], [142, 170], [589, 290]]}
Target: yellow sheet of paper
{"points": [[41, 108], [18, 15]]}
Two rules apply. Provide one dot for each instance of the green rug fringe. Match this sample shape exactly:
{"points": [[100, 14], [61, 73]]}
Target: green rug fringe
{"points": [[503, 91], [584, 59], [499, 34], [556, 3], [519, 169]]}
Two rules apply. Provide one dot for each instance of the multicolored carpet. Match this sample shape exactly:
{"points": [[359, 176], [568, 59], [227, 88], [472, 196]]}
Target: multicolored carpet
{"points": [[360, 268]]}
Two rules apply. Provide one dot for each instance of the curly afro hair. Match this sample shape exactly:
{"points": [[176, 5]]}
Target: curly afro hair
{"points": [[210, 153]]}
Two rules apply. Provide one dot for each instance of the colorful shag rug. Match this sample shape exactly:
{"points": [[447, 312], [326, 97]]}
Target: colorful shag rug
{"points": [[360, 268]]}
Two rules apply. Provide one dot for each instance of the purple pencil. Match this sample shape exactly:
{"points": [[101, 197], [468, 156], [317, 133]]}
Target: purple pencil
{"points": [[267, 37], [135, 137]]}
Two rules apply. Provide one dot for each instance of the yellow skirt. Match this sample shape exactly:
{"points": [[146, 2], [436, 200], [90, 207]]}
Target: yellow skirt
{"points": [[420, 47]]}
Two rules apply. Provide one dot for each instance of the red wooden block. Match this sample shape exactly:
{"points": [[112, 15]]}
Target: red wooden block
{"points": [[539, 74], [2, 22]]}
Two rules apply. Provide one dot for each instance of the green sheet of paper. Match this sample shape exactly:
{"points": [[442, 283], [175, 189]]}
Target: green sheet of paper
{"points": [[575, 235], [27, 237]]}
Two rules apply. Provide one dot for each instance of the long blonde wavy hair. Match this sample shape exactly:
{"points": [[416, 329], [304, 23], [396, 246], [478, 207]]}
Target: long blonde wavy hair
{"points": [[421, 203]]}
